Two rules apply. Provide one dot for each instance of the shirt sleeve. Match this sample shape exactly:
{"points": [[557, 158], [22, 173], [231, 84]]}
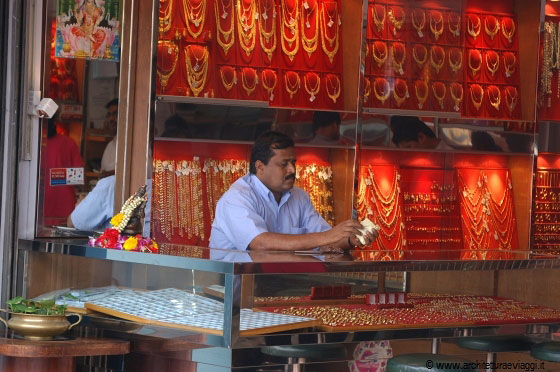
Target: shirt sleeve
{"points": [[96, 209], [312, 220], [238, 220]]}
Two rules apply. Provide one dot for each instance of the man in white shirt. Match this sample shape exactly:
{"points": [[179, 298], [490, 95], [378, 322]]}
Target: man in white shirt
{"points": [[110, 153]]}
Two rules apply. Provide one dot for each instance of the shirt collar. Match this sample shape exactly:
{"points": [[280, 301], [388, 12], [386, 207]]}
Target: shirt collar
{"points": [[265, 191]]}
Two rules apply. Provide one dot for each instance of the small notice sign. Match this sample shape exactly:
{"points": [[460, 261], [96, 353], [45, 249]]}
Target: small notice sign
{"points": [[66, 176]]}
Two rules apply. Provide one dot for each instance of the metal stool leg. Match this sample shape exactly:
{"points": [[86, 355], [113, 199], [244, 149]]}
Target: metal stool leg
{"points": [[435, 345], [490, 358]]}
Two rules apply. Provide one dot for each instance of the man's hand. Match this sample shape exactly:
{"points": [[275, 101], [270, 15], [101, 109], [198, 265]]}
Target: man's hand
{"points": [[343, 231], [369, 238]]}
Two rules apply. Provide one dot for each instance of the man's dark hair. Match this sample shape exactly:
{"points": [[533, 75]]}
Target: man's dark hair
{"points": [[323, 119], [264, 144], [113, 102], [407, 128], [51, 128], [176, 127]]}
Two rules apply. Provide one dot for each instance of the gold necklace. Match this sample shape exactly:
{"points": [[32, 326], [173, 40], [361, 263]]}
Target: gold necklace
{"points": [[442, 97], [269, 87], [473, 98], [454, 27], [249, 89], [264, 35], [165, 16], [228, 84], [367, 89], [246, 31], [472, 28], [508, 34], [292, 88], [172, 48], [397, 23], [333, 41], [421, 98], [457, 98], [397, 98], [379, 23], [292, 25], [398, 65], [383, 94], [195, 15], [196, 78], [434, 24], [458, 63], [512, 102], [494, 100], [224, 36], [334, 91], [474, 70], [419, 26], [424, 52], [491, 32], [382, 57], [437, 66], [312, 91], [492, 66], [509, 67], [309, 44]]}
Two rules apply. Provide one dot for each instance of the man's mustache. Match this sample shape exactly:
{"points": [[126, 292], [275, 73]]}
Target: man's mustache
{"points": [[290, 176]]}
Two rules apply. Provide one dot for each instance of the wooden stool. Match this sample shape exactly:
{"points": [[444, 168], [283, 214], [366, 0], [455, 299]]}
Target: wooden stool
{"points": [[298, 355], [495, 344], [54, 356], [424, 362], [549, 351]]}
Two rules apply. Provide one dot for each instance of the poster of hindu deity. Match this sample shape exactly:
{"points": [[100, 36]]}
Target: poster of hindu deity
{"points": [[88, 29]]}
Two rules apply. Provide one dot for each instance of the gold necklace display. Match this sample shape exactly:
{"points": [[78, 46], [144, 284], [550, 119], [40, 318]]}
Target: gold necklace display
{"points": [[246, 28], [397, 23], [508, 33], [491, 31], [225, 38], [249, 86], [367, 89], [473, 28], [381, 57], [398, 66], [494, 98], [476, 102], [292, 87], [494, 65], [398, 99], [475, 69], [172, 49], [165, 15], [332, 49], [265, 36], [511, 98], [197, 74], [269, 82], [439, 98], [436, 23], [379, 22], [510, 62], [317, 181], [456, 64], [289, 21], [456, 91], [333, 87], [195, 15], [312, 90], [233, 77], [437, 65], [419, 26], [421, 98], [423, 52], [454, 27], [309, 44], [381, 92]]}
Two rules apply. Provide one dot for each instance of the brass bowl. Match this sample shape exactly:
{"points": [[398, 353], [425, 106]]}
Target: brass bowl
{"points": [[39, 327]]}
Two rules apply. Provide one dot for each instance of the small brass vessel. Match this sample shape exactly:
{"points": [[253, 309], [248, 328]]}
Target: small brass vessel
{"points": [[39, 327]]}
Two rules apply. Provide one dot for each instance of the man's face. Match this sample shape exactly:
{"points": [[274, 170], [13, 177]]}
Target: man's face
{"points": [[334, 132], [112, 117], [279, 174], [421, 143]]}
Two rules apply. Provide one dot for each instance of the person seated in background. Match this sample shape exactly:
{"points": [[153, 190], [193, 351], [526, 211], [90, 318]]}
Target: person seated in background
{"points": [[326, 128], [110, 153], [411, 132], [483, 141], [176, 127]]}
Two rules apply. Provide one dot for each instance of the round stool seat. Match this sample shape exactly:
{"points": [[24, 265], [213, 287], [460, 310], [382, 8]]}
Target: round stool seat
{"points": [[318, 351], [429, 363], [549, 351], [496, 344]]}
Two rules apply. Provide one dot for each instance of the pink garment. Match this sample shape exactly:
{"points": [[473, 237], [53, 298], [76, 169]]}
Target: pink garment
{"points": [[371, 356], [58, 202]]}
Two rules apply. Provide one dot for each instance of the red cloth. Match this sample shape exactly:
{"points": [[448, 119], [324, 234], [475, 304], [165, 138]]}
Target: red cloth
{"points": [[59, 201]]}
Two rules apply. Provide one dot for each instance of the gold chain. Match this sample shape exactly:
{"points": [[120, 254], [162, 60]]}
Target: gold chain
{"points": [[265, 36], [385, 92], [383, 56], [170, 46], [508, 34], [292, 25], [196, 78], [165, 19], [195, 15], [333, 42], [457, 98], [292, 88], [473, 30], [442, 97], [249, 89], [421, 99], [312, 91], [495, 101], [437, 66], [491, 32], [223, 36], [310, 44], [228, 85], [379, 23], [398, 65], [473, 98], [492, 66], [398, 99], [333, 93], [419, 61], [434, 24], [456, 65], [419, 26], [246, 32], [397, 23]]}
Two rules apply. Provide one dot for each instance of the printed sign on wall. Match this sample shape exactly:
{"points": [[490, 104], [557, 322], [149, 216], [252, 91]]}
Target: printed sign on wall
{"points": [[66, 176]]}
